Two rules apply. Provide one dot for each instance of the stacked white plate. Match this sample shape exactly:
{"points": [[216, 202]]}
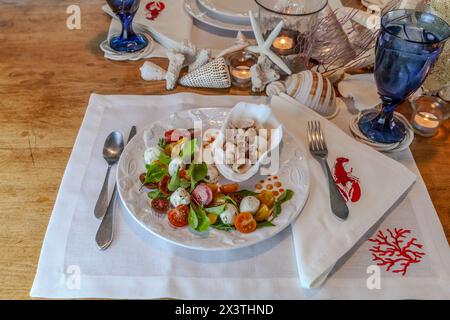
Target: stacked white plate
{"points": [[229, 15]]}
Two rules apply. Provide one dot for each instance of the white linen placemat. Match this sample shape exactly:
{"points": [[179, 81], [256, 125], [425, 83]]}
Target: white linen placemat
{"points": [[139, 265]]}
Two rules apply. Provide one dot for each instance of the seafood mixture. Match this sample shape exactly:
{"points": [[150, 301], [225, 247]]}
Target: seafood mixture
{"points": [[190, 192]]}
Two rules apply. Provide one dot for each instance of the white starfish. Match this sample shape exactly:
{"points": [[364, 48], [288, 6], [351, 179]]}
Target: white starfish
{"points": [[263, 47]]}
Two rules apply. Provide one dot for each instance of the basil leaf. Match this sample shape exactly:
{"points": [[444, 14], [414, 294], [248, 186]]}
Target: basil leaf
{"points": [[193, 219], [264, 224], [216, 210], [197, 172], [204, 222], [184, 183], [174, 183], [276, 210], [286, 196], [188, 149]]}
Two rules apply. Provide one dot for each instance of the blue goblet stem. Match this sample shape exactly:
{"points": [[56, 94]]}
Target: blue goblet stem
{"points": [[127, 25]]}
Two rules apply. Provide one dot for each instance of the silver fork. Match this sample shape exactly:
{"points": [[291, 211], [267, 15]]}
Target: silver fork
{"points": [[318, 149]]}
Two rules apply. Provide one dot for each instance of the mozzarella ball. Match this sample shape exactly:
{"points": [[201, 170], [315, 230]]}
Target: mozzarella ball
{"points": [[229, 214], [213, 173], [180, 196], [151, 154], [249, 204], [174, 165]]}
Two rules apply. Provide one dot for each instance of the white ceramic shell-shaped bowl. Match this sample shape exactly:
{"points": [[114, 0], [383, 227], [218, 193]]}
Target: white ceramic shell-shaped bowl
{"points": [[264, 118], [314, 91]]}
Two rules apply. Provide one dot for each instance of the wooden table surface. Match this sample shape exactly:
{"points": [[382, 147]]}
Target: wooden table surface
{"points": [[47, 73]]}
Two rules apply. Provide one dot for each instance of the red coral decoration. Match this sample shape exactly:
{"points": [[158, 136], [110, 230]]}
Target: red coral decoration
{"points": [[392, 251], [154, 8]]}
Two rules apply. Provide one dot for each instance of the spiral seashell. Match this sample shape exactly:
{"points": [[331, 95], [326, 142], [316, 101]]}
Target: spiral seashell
{"points": [[313, 90], [275, 88], [214, 74]]}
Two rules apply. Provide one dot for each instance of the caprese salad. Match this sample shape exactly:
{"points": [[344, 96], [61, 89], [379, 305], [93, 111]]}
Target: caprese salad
{"points": [[190, 194]]}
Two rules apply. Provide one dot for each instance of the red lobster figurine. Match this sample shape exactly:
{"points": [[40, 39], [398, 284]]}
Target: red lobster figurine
{"points": [[346, 182]]}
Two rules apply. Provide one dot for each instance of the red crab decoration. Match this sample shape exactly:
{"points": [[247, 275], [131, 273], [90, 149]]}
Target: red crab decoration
{"points": [[153, 9], [347, 183], [392, 251]]}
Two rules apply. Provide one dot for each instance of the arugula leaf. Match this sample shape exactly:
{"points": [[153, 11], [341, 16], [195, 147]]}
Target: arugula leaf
{"points": [[264, 224], [216, 210], [193, 219], [246, 193], [164, 158], [223, 227], [197, 172], [188, 149], [155, 172], [229, 199], [162, 143], [174, 183]]}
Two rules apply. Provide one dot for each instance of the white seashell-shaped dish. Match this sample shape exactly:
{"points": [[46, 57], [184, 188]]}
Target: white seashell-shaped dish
{"points": [[264, 119]]}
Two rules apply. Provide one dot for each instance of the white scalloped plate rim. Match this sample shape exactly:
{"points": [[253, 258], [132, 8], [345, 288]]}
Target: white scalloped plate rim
{"points": [[295, 167]]}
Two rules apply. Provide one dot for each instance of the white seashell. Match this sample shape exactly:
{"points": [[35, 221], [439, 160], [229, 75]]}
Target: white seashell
{"points": [[173, 72], [314, 91], [202, 58], [240, 43], [275, 88], [263, 118], [444, 93], [214, 74], [151, 71], [262, 74]]}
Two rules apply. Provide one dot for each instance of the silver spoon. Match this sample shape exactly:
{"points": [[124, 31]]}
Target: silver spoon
{"points": [[105, 231], [111, 152]]}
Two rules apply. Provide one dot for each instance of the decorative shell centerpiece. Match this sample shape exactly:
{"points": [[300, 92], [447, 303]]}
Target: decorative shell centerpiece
{"points": [[248, 134], [311, 89], [214, 74]]}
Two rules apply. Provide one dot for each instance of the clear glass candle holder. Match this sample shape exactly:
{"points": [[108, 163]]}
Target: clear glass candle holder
{"points": [[240, 63], [428, 113], [295, 41]]}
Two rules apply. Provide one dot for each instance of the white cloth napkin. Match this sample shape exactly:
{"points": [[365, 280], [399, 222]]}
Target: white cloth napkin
{"points": [[362, 89], [171, 26], [321, 239], [140, 265]]}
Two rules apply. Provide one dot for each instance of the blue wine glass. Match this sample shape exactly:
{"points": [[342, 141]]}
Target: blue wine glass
{"points": [[128, 40], [407, 47]]}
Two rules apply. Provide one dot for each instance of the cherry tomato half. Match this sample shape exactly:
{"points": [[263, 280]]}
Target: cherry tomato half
{"points": [[245, 222], [160, 204], [163, 185], [229, 188], [202, 194], [178, 216]]}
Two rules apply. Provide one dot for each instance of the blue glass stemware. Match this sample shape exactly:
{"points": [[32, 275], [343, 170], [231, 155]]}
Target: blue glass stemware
{"points": [[408, 45], [128, 40]]}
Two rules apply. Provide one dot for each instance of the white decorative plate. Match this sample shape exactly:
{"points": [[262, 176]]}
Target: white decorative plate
{"points": [[293, 174], [230, 10], [201, 14]]}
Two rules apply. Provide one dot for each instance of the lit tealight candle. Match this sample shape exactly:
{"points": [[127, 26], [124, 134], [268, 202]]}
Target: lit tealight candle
{"points": [[426, 123], [283, 44], [241, 72]]}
